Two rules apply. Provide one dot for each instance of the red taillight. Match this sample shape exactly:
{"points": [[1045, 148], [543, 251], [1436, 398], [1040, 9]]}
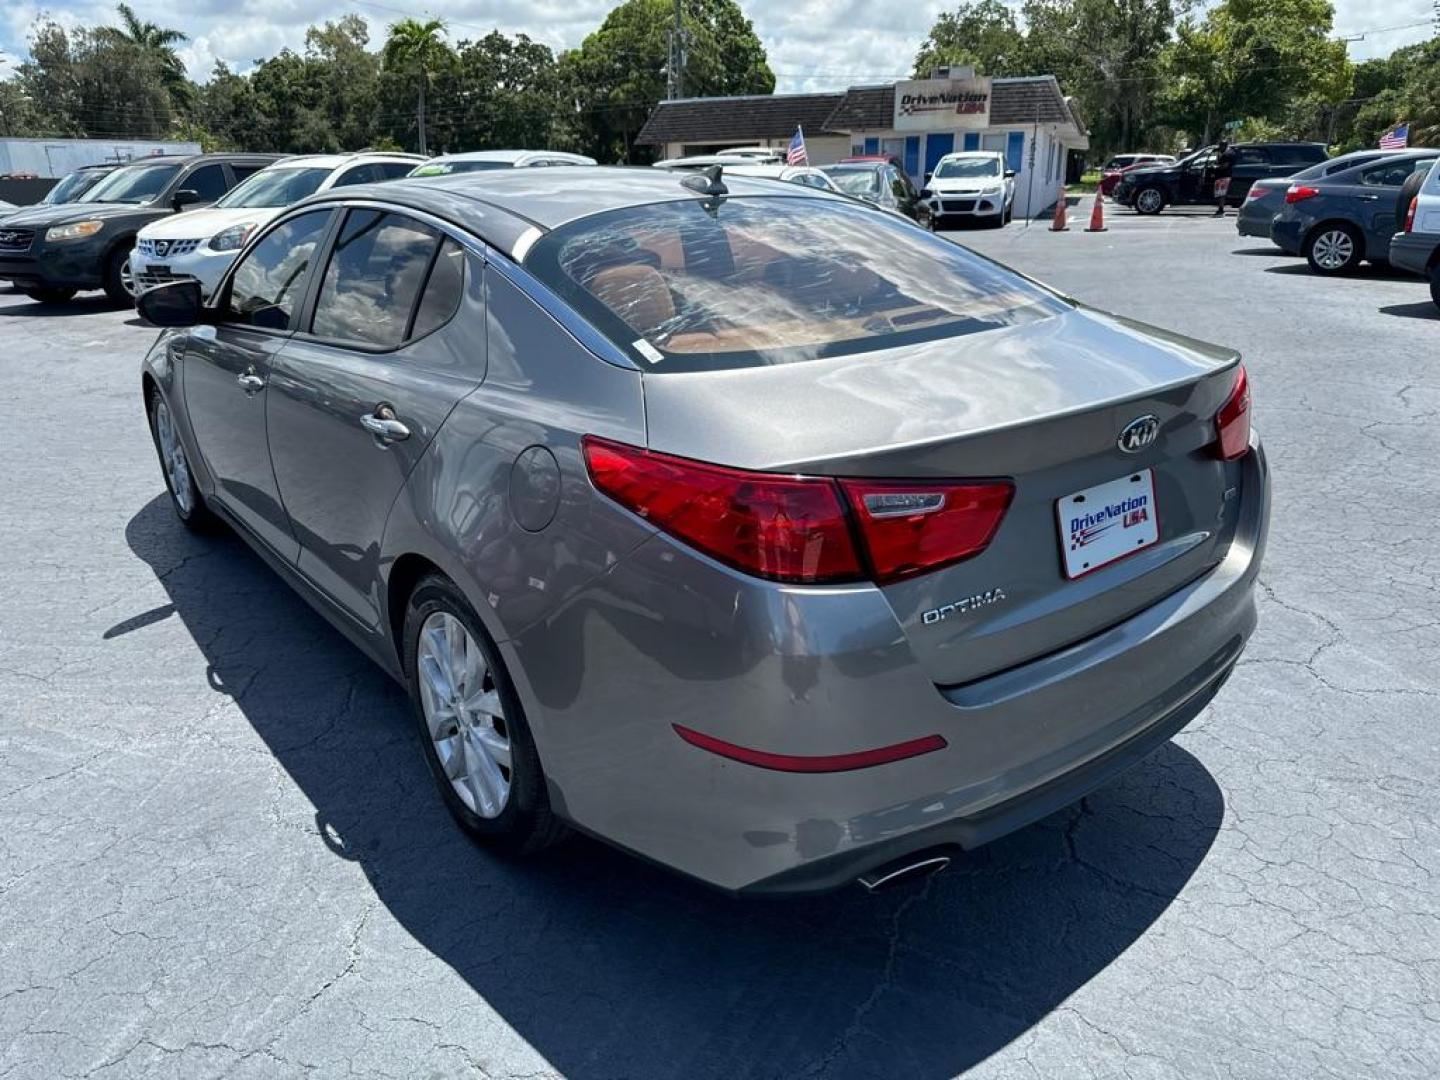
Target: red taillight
{"points": [[1296, 192], [1232, 422], [785, 528], [1256, 191], [1410, 214], [910, 527], [796, 528]]}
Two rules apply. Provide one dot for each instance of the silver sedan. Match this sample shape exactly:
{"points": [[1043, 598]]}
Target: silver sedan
{"points": [[772, 539]]}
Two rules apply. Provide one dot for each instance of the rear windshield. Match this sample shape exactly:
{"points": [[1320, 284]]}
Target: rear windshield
{"points": [[276, 187], [132, 184], [859, 182], [967, 168], [694, 286], [445, 168]]}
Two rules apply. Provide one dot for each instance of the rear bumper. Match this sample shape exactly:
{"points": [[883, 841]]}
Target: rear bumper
{"points": [[1288, 234], [1412, 251], [809, 672], [1254, 223]]}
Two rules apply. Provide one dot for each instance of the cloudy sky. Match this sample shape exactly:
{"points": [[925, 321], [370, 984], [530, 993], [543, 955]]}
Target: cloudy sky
{"points": [[812, 44]]}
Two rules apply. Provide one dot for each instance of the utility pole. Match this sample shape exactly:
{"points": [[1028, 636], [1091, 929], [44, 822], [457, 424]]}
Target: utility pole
{"points": [[675, 70]]}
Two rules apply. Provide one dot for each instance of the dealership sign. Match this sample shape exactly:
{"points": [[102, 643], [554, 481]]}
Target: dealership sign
{"points": [[937, 104]]}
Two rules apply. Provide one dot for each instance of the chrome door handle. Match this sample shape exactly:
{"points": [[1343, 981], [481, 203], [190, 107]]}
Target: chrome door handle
{"points": [[250, 382], [386, 429], [1370, 198]]}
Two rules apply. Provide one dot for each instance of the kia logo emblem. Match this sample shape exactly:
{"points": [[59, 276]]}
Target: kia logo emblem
{"points": [[1138, 434]]}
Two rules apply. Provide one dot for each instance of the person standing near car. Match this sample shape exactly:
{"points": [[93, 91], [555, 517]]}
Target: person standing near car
{"points": [[1224, 165]]}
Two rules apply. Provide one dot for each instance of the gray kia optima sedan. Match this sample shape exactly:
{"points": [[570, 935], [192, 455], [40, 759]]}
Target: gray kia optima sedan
{"points": [[772, 539]]}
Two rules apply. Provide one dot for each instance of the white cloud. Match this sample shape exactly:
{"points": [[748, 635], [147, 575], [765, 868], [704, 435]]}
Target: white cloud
{"points": [[812, 44]]}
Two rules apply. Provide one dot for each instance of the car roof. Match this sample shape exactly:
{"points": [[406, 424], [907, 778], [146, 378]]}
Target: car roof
{"points": [[334, 161], [505, 206], [974, 153], [509, 155], [185, 159]]}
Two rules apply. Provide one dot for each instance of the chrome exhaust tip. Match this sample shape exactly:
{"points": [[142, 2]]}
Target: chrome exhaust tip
{"points": [[898, 874]]}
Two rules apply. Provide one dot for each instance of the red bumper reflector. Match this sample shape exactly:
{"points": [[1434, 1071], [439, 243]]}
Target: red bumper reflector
{"points": [[861, 759]]}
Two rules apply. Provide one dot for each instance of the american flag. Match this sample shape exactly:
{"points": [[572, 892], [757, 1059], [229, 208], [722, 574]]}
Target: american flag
{"points": [[795, 152], [1395, 138]]}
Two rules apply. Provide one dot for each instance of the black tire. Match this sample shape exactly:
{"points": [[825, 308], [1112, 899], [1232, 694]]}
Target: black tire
{"points": [[1408, 190], [116, 274], [197, 517], [1150, 200], [525, 824], [1328, 253], [1435, 285], [50, 294], [1010, 213]]}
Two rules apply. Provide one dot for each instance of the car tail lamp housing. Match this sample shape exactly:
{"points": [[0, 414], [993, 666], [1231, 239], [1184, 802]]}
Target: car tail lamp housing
{"points": [[1232, 421], [801, 529], [1257, 192], [1410, 214], [1300, 192]]}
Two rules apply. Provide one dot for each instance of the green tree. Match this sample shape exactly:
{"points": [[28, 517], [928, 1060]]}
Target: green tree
{"points": [[159, 43], [982, 35], [88, 83], [615, 78], [500, 92], [1253, 58], [415, 49]]}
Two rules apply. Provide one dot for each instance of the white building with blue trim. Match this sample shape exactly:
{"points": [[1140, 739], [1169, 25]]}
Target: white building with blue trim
{"points": [[917, 121]]}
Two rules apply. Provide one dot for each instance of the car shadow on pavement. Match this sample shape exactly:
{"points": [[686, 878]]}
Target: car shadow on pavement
{"points": [[608, 966], [1425, 309], [87, 304]]}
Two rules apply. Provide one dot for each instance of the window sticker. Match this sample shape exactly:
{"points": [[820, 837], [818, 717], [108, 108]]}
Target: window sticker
{"points": [[648, 351]]}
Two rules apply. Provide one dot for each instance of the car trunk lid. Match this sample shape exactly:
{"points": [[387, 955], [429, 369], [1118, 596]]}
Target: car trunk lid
{"points": [[1041, 405]]}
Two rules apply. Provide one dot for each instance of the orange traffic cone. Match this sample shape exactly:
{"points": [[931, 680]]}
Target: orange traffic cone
{"points": [[1057, 224], [1097, 217]]}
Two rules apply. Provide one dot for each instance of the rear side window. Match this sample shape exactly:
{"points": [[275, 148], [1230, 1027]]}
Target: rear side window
{"points": [[373, 279], [1297, 154], [208, 182], [1251, 155], [1392, 173], [691, 285], [244, 172], [392, 170], [443, 289], [269, 282]]}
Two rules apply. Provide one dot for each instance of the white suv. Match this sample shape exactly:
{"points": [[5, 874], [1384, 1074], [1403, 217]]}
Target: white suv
{"points": [[973, 184], [481, 160], [201, 244], [1416, 247]]}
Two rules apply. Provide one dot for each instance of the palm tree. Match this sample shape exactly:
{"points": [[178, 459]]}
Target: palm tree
{"points": [[415, 48], [157, 42]]}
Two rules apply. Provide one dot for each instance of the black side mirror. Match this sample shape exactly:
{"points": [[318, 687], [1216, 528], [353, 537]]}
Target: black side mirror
{"points": [[1009, 174], [176, 303], [928, 175], [183, 198]]}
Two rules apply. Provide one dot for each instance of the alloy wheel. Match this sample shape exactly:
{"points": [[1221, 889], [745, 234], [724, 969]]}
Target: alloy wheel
{"points": [[172, 460], [1334, 249], [127, 278], [1149, 201], [464, 715]]}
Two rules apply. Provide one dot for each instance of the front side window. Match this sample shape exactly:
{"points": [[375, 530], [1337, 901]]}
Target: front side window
{"points": [[967, 169], [374, 276], [133, 184], [273, 188], [360, 174], [758, 280], [269, 281]]}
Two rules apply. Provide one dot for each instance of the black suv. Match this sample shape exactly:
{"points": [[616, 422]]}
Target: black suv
{"points": [[52, 252], [1191, 180]]}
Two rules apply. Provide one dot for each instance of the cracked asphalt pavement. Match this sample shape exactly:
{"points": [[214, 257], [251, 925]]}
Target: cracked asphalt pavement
{"points": [[221, 854]]}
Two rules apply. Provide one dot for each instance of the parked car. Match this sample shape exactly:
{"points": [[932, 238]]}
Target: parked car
{"points": [[880, 184], [869, 159], [1416, 248], [1339, 220], [704, 161], [199, 245], [806, 175], [765, 536], [73, 185], [52, 252], [971, 184], [1120, 163], [483, 160], [1266, 196], [1191, 181]]}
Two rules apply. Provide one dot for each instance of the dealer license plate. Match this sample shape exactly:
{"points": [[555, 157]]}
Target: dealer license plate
{"points": [[1107, 522]]}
